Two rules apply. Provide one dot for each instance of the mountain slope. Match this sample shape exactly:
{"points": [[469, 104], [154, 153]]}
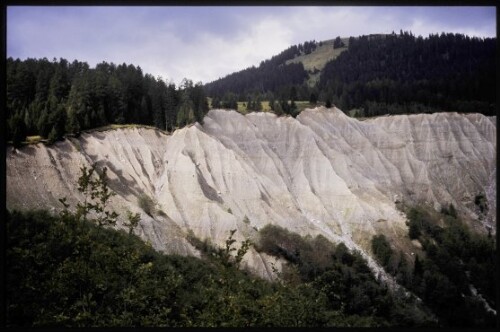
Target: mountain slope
{"points": [[315, 61], [321, 173], [449, 72], [378, 74]]}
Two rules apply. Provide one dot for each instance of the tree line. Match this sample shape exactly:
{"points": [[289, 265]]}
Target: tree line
{"points": [[54, 98], [401, 73], [273, 77], [377, 74], [380, 74]]}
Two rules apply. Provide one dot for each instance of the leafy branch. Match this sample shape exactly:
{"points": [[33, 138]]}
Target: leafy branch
{"points": [[93, 184]]}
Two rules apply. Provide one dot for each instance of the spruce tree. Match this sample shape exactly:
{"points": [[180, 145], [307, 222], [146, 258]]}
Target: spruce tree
{"points": [[17, 130]]}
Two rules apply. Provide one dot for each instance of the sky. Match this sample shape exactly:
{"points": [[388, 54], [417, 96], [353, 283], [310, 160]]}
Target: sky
{"points": [[206, 43]]}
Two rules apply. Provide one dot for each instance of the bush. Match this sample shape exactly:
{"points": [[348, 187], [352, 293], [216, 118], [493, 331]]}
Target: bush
{"points": [[382, 249], [481, 202], [414, 231], [17, 129], [64, 271], [449, 211], [147, 204], [52, 136], [455, 257], [82, 275]]}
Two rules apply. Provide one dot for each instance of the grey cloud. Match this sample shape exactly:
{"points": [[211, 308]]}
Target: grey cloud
{"points": [[204, 43]]}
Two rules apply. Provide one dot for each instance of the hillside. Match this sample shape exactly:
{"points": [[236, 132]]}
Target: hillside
{"points": [[315, 61], [365, 76], [376, 75], [406, 74], [321, 173]]}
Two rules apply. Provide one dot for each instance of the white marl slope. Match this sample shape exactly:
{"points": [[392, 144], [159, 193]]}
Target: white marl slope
{"points": [[321, 173]]}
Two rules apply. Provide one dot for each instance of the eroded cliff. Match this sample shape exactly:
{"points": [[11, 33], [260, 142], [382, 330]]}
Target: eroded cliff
{"points": [[321, 173]]}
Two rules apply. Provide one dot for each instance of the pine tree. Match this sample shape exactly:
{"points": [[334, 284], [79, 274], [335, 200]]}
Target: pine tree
{"points": [[215, 103], [53, 136], [17, 130], [43, 124], [293, 111], [59, 83], [258, 103], [171, 103], [278, 110], [144, 110], [313, 99], [186, 113], [72, 125], [293, 93], [200, 104]]}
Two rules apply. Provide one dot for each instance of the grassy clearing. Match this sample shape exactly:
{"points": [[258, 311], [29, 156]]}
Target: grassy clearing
{"points": [[31, 140], [301, 105], [318, 58], [34, 139], [242, 107]]}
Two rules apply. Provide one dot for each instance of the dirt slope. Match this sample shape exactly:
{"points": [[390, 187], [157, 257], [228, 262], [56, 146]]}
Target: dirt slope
{"points": [[321, 173]]}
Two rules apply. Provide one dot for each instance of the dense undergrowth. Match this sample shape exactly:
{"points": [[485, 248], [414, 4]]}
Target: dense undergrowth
{"points": [[62, 271], [454, 264], [71, 270]]}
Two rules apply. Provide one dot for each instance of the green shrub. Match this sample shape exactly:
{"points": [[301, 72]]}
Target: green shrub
{"points": [[147, 204], [381, 249], [449, 211], [455, 257], [481, 202]]}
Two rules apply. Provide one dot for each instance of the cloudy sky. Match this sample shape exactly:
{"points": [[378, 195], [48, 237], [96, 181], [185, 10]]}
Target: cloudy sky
{"points": [[205, 43]]}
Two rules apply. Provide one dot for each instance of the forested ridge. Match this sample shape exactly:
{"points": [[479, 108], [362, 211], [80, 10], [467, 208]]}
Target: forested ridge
{"points": [[381, 74], [54, 98], [271, 75], [407, 74], [375, 75]]}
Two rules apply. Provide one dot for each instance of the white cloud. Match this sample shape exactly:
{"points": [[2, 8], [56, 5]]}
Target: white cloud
{"points": [[424, 28], [178, 44], [212, 56]]}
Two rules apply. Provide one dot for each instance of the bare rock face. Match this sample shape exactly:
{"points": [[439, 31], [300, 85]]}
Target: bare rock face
{"points": [[321, 173]]}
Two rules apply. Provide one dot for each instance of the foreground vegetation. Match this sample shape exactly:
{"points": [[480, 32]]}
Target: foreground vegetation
{"points": [[73, 270], [455, 264], [62, 271]]}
